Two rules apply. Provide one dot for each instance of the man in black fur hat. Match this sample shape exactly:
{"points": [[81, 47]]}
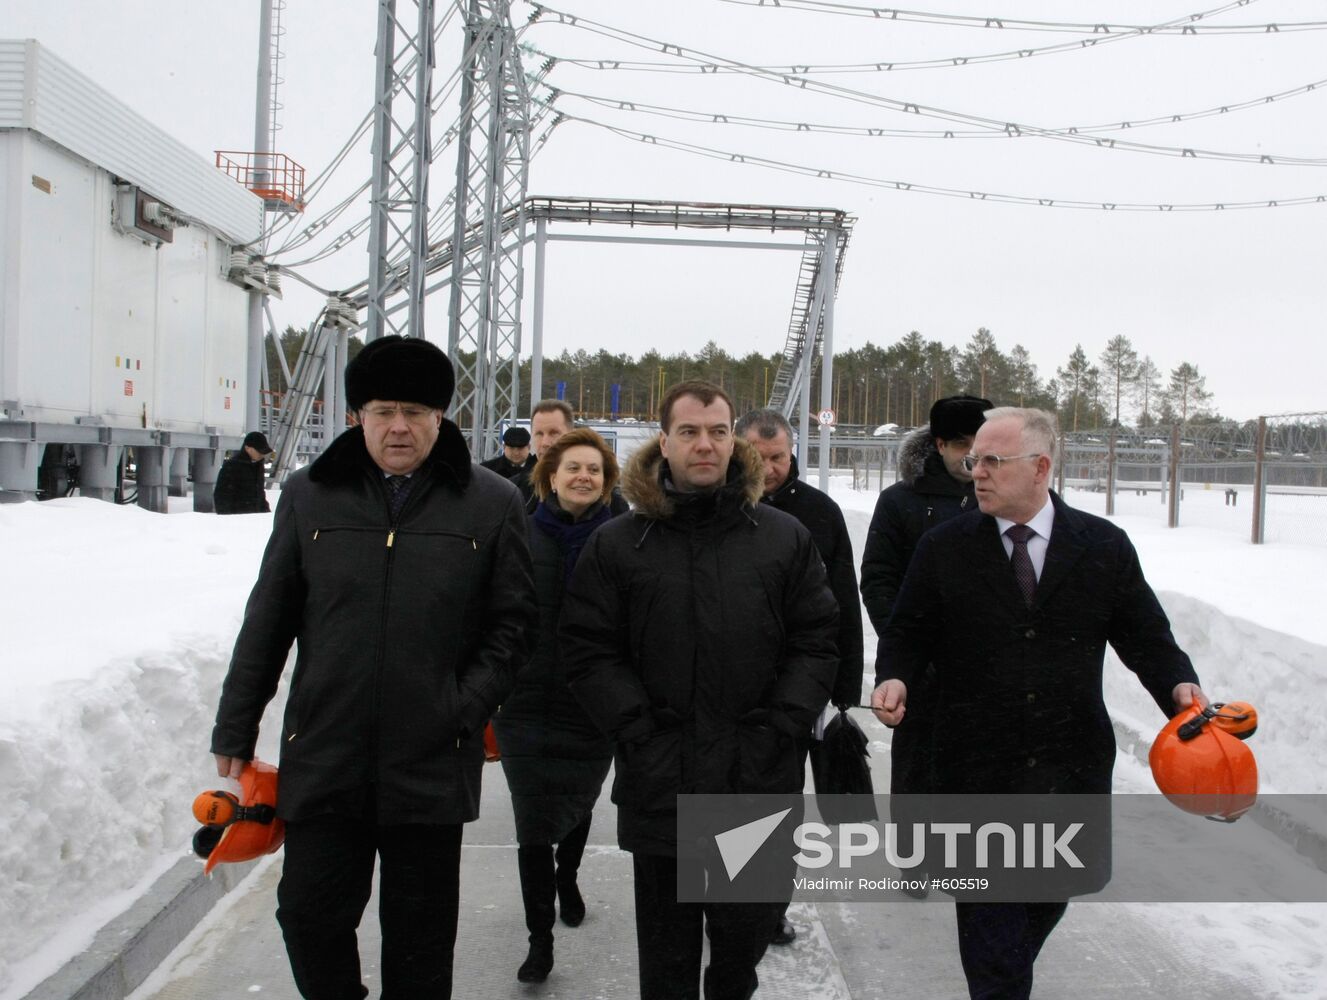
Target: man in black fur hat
{"points": [[404, 575], [933, 486]]}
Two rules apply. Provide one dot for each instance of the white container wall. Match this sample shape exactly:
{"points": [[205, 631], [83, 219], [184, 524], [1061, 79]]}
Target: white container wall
{"points": [[101, 327]]}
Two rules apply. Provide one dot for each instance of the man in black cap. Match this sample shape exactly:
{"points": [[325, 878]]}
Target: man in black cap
{"points": [[239, 488], [404, 575], [933, 486], [515, 459]]}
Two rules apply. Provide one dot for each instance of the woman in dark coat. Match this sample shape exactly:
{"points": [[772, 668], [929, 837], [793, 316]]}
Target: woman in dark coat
{"points": [[554, 757]]}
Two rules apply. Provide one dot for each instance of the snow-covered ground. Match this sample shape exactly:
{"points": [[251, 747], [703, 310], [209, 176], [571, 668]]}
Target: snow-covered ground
{"points": [[118, 626]]}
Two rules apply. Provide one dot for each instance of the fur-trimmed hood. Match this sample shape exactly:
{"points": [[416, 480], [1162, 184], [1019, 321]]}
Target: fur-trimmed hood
{"points": [[914, 452], [347, 456], [643, 485]]}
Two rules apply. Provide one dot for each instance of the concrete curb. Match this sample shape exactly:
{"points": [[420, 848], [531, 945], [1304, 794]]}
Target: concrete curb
{"points": [[130, 947]]}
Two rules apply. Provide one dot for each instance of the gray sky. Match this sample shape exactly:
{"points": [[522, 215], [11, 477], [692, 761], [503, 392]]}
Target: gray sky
{"points": [[1239, 293]]}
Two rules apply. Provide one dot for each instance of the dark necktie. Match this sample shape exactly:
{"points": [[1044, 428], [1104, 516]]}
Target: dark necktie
{"points": [[398, 488], [1023, 571]]}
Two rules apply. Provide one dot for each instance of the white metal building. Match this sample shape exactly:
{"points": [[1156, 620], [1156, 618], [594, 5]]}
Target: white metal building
{"points": [[123, 299]]}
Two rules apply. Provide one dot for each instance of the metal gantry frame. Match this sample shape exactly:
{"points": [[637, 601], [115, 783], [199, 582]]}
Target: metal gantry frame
{"points": [[810, 333]]}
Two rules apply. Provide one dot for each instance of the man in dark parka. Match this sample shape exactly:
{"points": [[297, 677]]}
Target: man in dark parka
{"points": [[402, 571], [698, 633], [769, 432], [1013, 604], [933, 486], [240, 481]]}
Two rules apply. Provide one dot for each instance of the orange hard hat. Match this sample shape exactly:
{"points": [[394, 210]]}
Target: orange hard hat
{"points": [[1201, 764], [243, 828]]}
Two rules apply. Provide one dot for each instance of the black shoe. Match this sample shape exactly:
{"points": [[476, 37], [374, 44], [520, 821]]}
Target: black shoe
{"points": [[571, 906], [785, 933], [538, 964]]}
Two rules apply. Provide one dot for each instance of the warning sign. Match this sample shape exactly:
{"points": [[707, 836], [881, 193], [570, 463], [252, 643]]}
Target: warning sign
{"points": [[227, 404], [827, 418], [128, 387]]}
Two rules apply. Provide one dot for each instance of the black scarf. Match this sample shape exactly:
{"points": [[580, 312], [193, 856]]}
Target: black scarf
{"points": [[570, 534]]}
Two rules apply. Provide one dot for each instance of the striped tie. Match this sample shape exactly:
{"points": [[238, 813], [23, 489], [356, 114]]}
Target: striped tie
{"points": [[398, 488], [1023, 570]]}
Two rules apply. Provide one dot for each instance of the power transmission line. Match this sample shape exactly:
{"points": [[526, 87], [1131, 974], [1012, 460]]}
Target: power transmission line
{"points": [[910, 186]]}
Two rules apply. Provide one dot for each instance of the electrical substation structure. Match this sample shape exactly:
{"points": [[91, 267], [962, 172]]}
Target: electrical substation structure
{"points": [[150, 343]]}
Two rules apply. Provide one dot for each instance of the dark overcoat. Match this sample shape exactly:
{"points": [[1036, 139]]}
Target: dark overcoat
{"points": [[409, 635], [822, 517], [699, 633], [239, 486], [508, 469], [1019, 700]]}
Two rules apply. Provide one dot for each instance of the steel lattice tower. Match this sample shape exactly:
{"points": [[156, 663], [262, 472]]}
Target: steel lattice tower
{"points": [[398, 221], [492, 169], [486, 206]]}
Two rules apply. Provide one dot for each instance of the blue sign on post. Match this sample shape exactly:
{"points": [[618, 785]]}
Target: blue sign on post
{"points": [[562, 390], [617, 398]]}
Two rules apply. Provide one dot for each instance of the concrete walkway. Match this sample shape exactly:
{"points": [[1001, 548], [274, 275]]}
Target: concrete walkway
{"points": [[1101, 951]]}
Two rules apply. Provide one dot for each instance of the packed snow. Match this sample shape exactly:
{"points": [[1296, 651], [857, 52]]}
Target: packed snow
{"points": [[119, 625]]}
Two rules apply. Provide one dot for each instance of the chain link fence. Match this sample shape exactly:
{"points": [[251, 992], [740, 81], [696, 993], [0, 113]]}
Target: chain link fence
{"points": [[1266, 478]]}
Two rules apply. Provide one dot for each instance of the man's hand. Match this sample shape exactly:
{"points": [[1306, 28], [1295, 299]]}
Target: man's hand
{"points": [[1187, 694], [229, 767], [888, 701]]}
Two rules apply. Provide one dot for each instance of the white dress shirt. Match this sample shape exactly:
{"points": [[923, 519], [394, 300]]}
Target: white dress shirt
{"points": [[1041, 523]]}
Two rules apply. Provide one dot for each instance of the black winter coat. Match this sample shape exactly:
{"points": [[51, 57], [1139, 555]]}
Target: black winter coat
{"points": [[541, 718], [508, 469], [1020, 702], [239, 487], [822, 517], [698, 633], [925, 495], [409, 635]]}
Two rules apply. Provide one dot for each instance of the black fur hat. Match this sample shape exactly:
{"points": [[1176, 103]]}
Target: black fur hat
{"points": [[517, 437], [958, 416], [400, 369]]}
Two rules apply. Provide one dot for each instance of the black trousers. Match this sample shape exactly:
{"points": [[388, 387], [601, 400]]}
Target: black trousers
{"points": [[326, 882], [669, 938], [999, 942]]}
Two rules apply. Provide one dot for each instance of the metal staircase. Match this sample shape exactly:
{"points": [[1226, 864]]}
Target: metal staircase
{"points": [[808, 314]]}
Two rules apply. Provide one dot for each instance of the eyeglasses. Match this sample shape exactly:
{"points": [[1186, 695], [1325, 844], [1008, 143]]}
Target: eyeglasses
{"points": [[414, 414], [993, 462]]}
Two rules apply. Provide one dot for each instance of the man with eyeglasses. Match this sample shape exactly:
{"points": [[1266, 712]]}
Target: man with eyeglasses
{"points": [[403, 572], [1014, 604]]}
